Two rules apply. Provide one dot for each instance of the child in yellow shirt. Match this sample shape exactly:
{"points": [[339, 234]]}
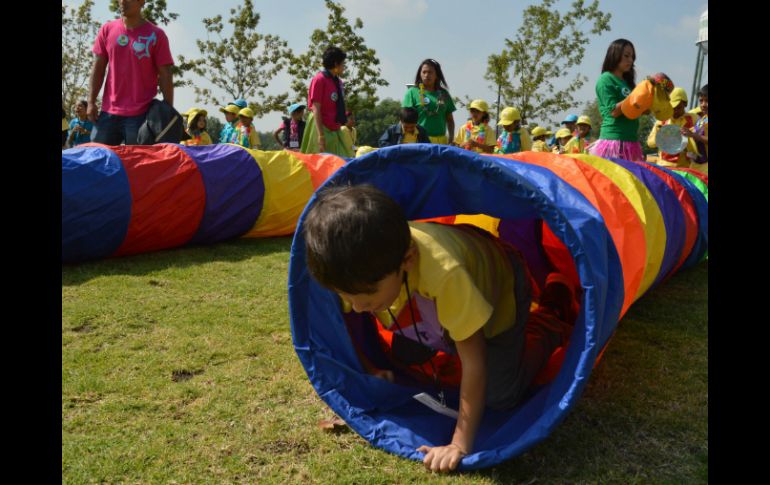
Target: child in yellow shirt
{"points": [[686, 121], [476, 135], [539, 134]]}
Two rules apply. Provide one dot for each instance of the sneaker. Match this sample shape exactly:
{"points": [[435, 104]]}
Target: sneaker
{"points": [[559, 296]]}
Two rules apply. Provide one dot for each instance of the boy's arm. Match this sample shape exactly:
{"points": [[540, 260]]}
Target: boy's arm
{"points": [[275, 135], [473, 355]]}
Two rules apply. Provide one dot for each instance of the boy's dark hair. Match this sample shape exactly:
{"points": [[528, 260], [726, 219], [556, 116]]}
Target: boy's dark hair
{"points": [[83, 103], [354, 237], [704, 91], [440, 81], [615, 55], [332, 56], [409, 115]]}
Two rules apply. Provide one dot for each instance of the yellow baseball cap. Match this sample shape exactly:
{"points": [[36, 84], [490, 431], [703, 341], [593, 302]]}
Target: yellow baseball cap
{"points": [[247, 112], [230, 108], [508, 116], [562, 132], [538, 131], [584, 120], [480, 105], [677, 96]]}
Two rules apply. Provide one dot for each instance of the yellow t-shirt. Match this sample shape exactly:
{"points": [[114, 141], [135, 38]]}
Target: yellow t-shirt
{"points": [[467, 275], [540, 146], [409, 137], [489, 137]]}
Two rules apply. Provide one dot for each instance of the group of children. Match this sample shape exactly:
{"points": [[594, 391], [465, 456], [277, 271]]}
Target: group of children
{"points": [[238, 127]]}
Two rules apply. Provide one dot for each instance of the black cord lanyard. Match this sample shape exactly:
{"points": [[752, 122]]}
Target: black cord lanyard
{"points": [[436, 381]]}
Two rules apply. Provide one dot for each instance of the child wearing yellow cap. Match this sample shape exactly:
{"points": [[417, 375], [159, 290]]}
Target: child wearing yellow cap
{"points": [[513, 138], [579, 143], [245, 134], [539, 135], [476, 135], [563, 136], [682, 119], [196, 128]]}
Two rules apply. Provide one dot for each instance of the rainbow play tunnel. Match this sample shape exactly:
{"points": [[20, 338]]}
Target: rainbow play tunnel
{"points": [[617, 228], [120, 200]]}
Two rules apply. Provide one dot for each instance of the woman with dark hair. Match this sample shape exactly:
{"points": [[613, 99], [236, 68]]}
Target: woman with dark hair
{"points": [[430, 97], [327, 108], [618, 136]]}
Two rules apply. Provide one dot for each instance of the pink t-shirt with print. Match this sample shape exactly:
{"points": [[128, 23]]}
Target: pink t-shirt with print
{"points": [[323, 90], [133, 57]]}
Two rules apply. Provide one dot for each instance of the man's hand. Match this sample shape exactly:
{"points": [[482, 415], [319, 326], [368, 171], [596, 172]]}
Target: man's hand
{"points": [[441, 458], [92, 112]]}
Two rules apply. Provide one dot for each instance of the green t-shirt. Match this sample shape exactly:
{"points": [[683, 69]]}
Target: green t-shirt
{"points": [[432, 115], [610, 90]]}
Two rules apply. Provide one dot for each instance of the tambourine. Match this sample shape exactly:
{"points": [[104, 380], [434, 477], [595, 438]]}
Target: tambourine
{"points": [[670, 140]]}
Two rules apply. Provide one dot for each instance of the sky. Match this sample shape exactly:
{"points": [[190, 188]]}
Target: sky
{"points": [[404, 32]]}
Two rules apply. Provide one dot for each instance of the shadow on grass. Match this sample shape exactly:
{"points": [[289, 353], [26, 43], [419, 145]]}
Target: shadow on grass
{"points": [[234, 250], [643, 416]]}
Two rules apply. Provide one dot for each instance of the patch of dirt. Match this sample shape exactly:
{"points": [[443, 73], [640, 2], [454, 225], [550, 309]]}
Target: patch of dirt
{"points": [[184, 375], [85, 328]]}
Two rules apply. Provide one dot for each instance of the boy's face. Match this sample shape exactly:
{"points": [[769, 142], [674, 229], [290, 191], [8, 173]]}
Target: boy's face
{"points": [[245, 121], [679, 110], [704, 104], [80, 110], [408, 127], [570, 126], [201, 123], [475, 115], [297, 114], [230, 117], [563, 140], [583, 130], [513, 126], [386, 291]]}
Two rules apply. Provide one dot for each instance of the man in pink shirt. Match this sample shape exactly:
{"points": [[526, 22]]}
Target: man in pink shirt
{"points": [[326, 101], [139, 60]]}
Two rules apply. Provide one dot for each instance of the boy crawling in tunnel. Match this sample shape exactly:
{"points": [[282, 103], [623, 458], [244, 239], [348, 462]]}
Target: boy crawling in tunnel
{"points": [[472, 293]]}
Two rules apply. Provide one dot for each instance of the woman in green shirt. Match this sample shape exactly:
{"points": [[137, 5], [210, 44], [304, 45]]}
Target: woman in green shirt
{"points": [[430, 97], [618, 137]]}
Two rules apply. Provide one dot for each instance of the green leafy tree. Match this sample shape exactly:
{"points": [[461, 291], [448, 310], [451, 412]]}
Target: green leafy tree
{"points": [[646, 123], [242, 63], [154, 11], [267, 142], [214, 126], [362, 72], [78, 31], [546, 47], [371, 123], [591, 110]]}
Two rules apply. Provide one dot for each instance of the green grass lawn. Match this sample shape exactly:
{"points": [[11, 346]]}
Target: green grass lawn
{"points": [[178, 367]]}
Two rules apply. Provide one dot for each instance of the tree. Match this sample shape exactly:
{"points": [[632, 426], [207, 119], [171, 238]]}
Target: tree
{"points": [[547, 45], [371, 123], [154, 11], [592, 111], [646, 123], [362, 74], [213, 127], [78, 31], [242, 63]]}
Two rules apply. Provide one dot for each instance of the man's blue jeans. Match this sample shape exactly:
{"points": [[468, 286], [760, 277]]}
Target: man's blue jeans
{"points": [[112, 129]]}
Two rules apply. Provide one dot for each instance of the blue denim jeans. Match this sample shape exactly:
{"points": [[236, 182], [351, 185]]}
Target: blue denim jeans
{"points": [[111, 129]]}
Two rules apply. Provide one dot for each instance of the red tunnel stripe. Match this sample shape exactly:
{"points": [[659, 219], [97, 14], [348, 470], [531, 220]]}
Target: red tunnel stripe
{"points": [[167, 197]]}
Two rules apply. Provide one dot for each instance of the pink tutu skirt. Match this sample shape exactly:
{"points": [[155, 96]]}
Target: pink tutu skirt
{"points": [[627, 150]]}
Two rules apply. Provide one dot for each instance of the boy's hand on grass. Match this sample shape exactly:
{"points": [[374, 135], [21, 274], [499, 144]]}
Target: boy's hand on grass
{"points": [[441, 458]]}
